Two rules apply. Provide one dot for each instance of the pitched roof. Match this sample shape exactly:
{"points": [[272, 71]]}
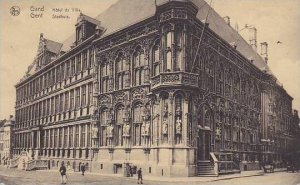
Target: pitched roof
{"points": [[128, 12], [52, 46]]}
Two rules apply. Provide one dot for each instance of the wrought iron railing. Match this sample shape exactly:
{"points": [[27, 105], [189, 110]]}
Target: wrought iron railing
{"points": [[225, 163]]}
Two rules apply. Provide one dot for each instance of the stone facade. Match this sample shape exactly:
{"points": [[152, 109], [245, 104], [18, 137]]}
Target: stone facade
{"points": [[150, 96]]}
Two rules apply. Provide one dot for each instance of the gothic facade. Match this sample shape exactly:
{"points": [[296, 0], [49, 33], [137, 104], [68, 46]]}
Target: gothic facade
{"points": [[168, 94]]}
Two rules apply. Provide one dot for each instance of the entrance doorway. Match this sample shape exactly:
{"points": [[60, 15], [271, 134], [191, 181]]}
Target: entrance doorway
{"points": [[203, 147]]}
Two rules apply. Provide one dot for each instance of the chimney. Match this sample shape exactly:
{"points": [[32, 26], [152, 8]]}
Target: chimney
{"points": [[264, 51], [227, 20], [253, 37]]}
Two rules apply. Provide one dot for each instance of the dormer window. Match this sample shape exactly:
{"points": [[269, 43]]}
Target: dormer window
{"points": [[86, 27]]}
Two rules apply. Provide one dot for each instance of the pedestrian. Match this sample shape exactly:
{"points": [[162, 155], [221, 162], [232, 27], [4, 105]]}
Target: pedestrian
{"points": [[82, 168], [63, 174], [140, 176], [130, 170]]}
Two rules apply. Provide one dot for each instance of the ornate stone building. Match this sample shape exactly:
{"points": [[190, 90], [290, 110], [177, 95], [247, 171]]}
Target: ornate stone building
{"points": [[150, 84]]}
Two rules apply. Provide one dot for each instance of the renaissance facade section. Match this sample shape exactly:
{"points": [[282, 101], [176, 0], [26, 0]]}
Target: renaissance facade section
{"points": [[170, 94]]}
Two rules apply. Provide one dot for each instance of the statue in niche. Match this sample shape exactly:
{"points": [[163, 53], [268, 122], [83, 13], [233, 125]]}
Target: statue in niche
{"points": [[178, 130], [165, 127], [110, 130], [146, 128], [95, 131], [178, 126], [147, 113], [126, 130]]}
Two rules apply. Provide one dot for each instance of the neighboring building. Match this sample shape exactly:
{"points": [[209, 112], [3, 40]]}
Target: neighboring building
{"points": [[8, 139], [1, 141], [129, 89]]}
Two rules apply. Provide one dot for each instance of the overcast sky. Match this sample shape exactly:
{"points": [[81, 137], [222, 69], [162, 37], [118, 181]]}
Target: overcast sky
{"points": [[276, 20]]}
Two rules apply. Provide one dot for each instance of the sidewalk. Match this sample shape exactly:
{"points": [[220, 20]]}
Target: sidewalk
{"points": [[243, 174]]}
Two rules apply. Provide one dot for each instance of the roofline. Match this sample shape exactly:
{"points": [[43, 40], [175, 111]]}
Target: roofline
{"points": [[55, 61]]}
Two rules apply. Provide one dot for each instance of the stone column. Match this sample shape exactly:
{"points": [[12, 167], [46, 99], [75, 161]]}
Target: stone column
{"points": [[185, 124], [171, 125]]}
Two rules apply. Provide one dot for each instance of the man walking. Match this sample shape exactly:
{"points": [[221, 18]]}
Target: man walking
{"points": [[140, 176], [82, 169], [63, 174]]}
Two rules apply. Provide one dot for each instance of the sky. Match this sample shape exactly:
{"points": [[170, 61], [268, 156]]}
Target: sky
{"points": [[275, 20]]}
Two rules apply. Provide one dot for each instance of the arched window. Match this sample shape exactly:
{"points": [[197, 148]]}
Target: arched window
{"points": [[156, 59], [138, 66], [228, 81], [137, 122], [207, 118], [220, 79], [104, 74], [178, 48], [121, 67], [119, 123], [168, 41]]}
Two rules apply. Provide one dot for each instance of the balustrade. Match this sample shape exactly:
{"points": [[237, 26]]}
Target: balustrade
{"points": [[175, 78]]}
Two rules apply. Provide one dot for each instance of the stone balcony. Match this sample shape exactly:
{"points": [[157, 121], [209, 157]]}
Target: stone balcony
{"points": [[172, 79]]}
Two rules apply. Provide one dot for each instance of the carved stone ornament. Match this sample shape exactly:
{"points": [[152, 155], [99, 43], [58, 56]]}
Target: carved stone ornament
{"points": [[104, 100], [119, 97], [137, 93]]}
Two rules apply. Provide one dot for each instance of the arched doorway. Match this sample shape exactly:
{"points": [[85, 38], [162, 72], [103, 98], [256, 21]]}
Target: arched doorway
{"points": [[204, 136]]}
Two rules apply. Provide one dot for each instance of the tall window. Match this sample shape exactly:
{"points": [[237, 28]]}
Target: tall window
{"points": [[65, 137], [51, 138], [119, 123], [207, 119], [77, 100], [60, 137], [83, 132], [58, 76], [72, 100], [168, 52], [88, 135], [103, 115], [68, 71], [84, 60], [71, 136], [62, 75], [209, 75], [90, 93], [61, 103], [178, 48], [66, 108], [76, 141], [228, 81], [120, 71], [78, 63], [104, 72], [57, 102], [83, 96], [55, 137], [72, 67], [220, 78], [156, 59], [137, 122], [138, 65]]}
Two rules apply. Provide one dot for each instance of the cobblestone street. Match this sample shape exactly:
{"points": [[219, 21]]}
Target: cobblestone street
{"points": [[19, 177]]}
